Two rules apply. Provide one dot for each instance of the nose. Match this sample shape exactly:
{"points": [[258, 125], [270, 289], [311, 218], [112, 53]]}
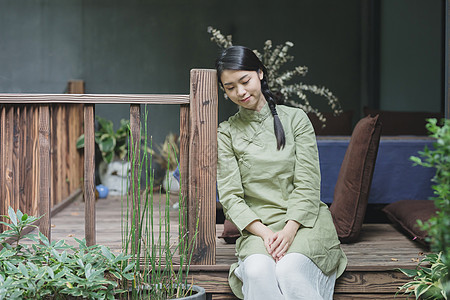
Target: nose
{"points": [[241, 91]]}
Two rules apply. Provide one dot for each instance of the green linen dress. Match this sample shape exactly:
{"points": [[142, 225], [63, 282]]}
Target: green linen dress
{"points": [[258, 182]]}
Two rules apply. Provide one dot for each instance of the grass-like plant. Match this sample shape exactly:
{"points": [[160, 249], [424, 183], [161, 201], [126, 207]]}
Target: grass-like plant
{"points": [[161, 268], [435, 280], [44, 270]]}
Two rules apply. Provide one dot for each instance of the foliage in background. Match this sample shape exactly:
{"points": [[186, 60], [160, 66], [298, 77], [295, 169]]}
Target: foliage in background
{"points": [[168, 153], [438, 227], [55, 270], [110, 143], [273, 58], [146, 233]]}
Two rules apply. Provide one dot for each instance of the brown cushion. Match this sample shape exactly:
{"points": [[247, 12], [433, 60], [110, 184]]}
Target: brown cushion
{"points": [[403, 122], [335, 125], [352, 188], [230, 232], [405, 214]]}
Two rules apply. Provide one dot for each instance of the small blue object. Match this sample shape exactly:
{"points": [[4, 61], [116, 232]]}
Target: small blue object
{"points": [[102, 191]]}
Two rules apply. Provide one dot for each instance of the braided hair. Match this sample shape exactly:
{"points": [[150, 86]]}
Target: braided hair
{"points": [[244, 59]]}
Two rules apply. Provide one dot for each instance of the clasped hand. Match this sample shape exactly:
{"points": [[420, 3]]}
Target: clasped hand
{"points": [[278, 243]]}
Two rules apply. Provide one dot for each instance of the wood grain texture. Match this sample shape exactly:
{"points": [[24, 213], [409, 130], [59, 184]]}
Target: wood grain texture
{"points": [[135, 126], [95, 98], [89, 174], [202, 164], [184, 164], [75, 87], [44, 170]]}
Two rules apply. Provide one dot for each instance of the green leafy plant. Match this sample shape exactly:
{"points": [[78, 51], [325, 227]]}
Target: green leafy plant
{"points": [[427, 282], [279, 80], [161, 265], [110, 143], [44, 270], [438, 227]]}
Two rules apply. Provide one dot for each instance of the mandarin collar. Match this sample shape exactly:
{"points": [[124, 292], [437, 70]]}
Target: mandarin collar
{"points": [[253, 115]]}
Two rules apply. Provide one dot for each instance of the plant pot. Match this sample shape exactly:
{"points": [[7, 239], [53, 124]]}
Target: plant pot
{"points": [[200, 294], [170, 183], [114, 176]]}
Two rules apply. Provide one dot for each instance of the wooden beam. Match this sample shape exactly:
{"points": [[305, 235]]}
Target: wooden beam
{"points": [[203, 164], [135, 126], [44, 170], [94, 98], [89, 174]]}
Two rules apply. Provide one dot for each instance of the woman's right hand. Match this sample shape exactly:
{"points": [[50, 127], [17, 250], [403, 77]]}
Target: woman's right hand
{"points": [[261, 230]]}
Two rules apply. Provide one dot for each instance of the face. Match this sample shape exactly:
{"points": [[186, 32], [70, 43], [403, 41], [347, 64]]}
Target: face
{"points": [[244, 88]]}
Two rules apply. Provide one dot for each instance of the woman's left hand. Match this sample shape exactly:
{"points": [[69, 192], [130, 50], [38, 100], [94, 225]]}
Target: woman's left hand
{"points": [[282, 240]]}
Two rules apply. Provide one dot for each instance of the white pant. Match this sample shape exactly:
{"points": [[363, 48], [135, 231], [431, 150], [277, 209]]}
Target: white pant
{"points": [[295, 276]]}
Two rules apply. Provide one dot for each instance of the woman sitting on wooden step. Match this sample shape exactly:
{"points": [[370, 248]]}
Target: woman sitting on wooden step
{"points": [[269, 186]]}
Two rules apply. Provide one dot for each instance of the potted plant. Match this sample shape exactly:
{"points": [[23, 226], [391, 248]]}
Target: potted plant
{"points": [[167, 159], [434, 282], [161, 262], [112, 145], [44, 270]]}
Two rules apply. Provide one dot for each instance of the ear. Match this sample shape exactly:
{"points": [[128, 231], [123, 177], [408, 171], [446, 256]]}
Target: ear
{"points": [[260, 74]]}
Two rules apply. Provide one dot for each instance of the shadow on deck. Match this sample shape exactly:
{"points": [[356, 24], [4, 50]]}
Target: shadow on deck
{"points": [[370, 273]]}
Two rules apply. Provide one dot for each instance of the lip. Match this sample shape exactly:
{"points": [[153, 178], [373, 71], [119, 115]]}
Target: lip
{"points": [[246, 99]]}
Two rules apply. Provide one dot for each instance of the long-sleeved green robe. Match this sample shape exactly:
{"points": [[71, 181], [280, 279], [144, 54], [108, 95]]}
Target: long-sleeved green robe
{"points": [[258, 182]]}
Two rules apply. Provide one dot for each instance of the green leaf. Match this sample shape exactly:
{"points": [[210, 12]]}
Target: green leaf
{"points": [[12, 215], [44, 239], [80, 141], [408, 272], [50, 272], [106, 252], [107, 143], [23, 270], [422, 289]]}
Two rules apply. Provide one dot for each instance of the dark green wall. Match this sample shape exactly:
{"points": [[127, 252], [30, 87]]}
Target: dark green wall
{"points": [[411, 63], [138, 46]]}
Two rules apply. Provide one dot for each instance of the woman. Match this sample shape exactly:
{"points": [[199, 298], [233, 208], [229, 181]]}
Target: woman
{"points": [[269, 186]]}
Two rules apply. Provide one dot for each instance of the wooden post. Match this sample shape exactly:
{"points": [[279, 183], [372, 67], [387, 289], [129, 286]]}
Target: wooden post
{"points": [[75, 87], [44, 170], [184, 167], [89, 174], [135, 126], [203, 164]]}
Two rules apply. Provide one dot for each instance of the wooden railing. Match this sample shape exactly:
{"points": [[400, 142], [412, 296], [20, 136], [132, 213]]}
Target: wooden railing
{"points": [[198, 153]]}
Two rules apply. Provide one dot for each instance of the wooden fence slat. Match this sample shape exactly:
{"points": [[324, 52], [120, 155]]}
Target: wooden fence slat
{"points": [[44, 170], [23, 159], [2, 161], [89, 174], [95, 98], [202, 164], [184, 165], [35, 163], [135, 126], [16, 165], [8, 162]]}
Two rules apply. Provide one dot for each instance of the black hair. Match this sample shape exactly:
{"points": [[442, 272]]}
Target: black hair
{"points": [[241, 58]]}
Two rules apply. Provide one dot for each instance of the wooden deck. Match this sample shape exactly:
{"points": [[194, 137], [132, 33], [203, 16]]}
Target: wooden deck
{"points": [[369, 275]]}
